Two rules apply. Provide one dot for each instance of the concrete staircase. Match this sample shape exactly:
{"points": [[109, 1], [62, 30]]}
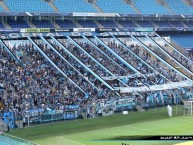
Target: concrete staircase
{"points": [[184, 25], [4, 6], [135, 8], [5, 90], [1, 105], [97, 7], [26, 59], [31, 24], [168, 8], [156, 26], [98, 24], [94, 4], [139, 108], [179, 48], [163, 3], [3, 126], [119, 25], [132, 5], [52, 5], [55, 24], [77, 24], [188, 2], [6, 25], [139, 26]]}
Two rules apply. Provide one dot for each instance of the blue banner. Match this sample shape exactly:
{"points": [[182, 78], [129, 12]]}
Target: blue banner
{"points": [[8, 119]]}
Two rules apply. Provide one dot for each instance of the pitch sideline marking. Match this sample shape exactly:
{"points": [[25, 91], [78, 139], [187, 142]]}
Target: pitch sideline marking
{"points": [[148, 130], [185, 143], [70, 140], [180, 118], [73, 141]]}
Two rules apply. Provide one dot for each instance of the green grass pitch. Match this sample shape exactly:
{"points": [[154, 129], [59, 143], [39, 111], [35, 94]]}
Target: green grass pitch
{"points": [[110, 130]]}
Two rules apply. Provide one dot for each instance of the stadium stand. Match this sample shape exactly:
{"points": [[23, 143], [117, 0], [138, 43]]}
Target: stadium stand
{"points": [[119, 6], [35, 75], [29, 6], [145, 24], [146, 57], [2, 26], [18, 23], [107, 23], [42, 23], [42, 64], [179, 7], [126, 23], [188, 23], [1, 9], [181, 59], [153, 7], [45, 83], [74, 6], [183, 39], [61, 76], [163, 24], [66, 23], [87, 23], [177, 24]]}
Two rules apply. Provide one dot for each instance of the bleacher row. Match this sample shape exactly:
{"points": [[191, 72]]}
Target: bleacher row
{"points": [[106, 6], [89, 23]]}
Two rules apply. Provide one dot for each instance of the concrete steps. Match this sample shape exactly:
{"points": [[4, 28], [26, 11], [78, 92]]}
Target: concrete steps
{"points": [[6, 25], [179, 48], [119, 25], [139, 108], [4, 6], [97, 7], [77, 24], [52, 5], [31, 24], [55, 24], [163, 3], [98, 24], [135, 8], [132, 5]]}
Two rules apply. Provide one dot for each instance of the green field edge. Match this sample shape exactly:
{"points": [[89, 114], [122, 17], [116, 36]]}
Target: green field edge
{"points": [[78, 126]]}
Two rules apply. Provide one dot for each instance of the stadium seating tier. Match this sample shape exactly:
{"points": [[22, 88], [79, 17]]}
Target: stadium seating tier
{"points": [[74, 6], [29, 6]]}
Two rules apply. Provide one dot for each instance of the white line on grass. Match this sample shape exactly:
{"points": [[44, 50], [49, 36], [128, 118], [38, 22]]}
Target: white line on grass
{"points": [[73, 141], [182, 118], [142, 129], [185, 143], [61, 137]]}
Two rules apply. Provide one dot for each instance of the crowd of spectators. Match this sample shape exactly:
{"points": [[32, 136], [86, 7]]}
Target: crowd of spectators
{"points": [[173, 57], [156, 77], [31, 82], [154, 62], [187, 63], [35, 85]]}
